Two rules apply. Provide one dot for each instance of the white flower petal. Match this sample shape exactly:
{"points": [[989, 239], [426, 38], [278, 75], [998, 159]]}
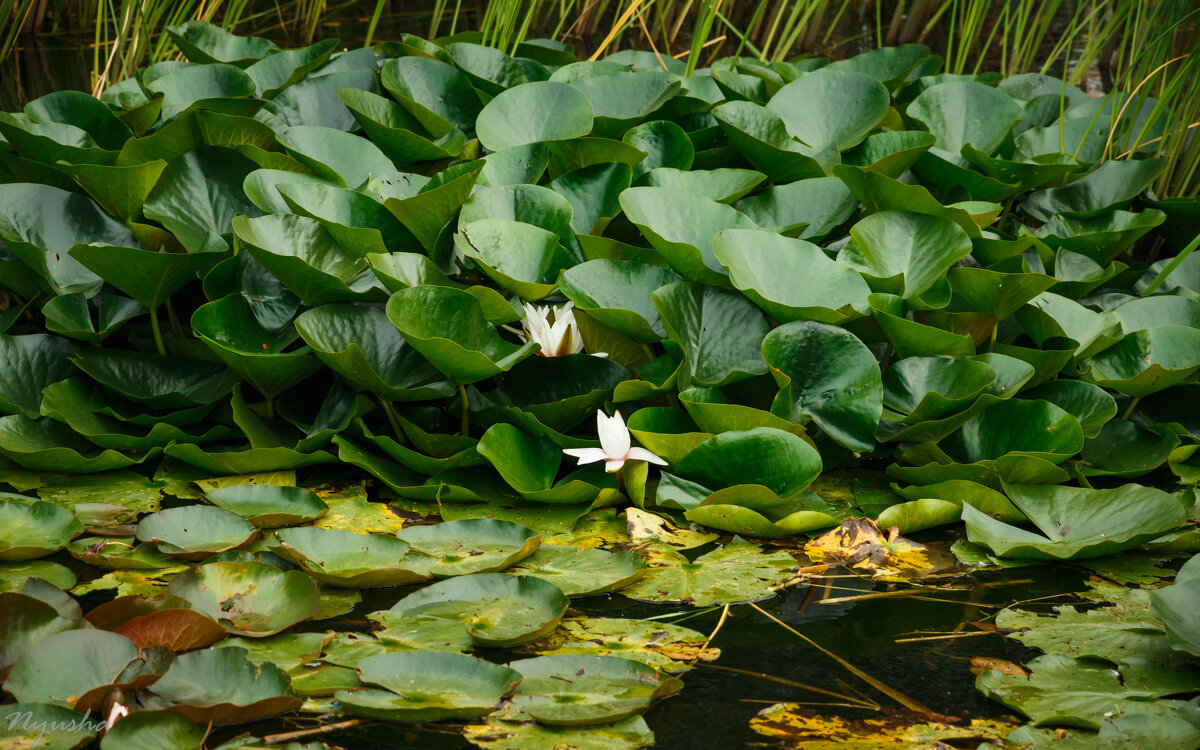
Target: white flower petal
{"points": [[641, 454], [586, 455], [614, 436], [613, 467]]}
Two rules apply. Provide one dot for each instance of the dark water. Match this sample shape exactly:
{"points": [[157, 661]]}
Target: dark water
{"points": [[715, 706]]}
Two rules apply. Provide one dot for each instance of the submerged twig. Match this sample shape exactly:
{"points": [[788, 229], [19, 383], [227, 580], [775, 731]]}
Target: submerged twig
{"points": [[895, 695]]}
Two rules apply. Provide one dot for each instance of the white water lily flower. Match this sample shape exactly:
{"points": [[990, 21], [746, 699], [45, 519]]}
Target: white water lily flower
{"points": [[615, 446], [556, 337], [117, 712]]}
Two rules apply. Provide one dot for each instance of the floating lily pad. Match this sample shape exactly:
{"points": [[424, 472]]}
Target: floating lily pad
{"points": [[429, 686], [737, 572], [343, 558], [578, 690], [28, 531], [472, 546], [222, 686], [499, 609], [195, 532], [267, 506], [1076, 522], [248, 598], [581, 572], [118, 553]]}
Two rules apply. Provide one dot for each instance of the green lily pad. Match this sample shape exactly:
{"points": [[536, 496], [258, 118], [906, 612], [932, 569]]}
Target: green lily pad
{"points": [[762, 136], [248, 598], [966, 112], [791, 279], [223, 686], [667, 648], [56, 728], [13, 576], [71, 316], [680, 226], [829, 376], [756, 468], [616, 293], [520, 257], [70, 667], [904, 253], [581, 572], [343, 558], [25, 620], [1175, 604], [361, 344], [1081, 693], [33, 530], [261, 357], [195, 532], [534, 112], [736, 572], [1148, 360], [207, 43], [725, 511], [1076, 522], [267, 506], [29, 363], [334, 155], [157, 382], [429, 686], [830, 108], [46, 445], [306, 258], [578, 690], [498, 609], [471, 546], [499, 734], [719, 330], [1017, 427], [118, 553], [529, 464], [467, 351], [154, 730]]}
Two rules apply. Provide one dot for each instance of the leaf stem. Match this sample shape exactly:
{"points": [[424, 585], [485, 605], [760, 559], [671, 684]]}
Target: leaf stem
{"points": [[270, 404], [1129, 409], [649, 352], [466, 410], [158, 338], [992, 338], [391, 416]]}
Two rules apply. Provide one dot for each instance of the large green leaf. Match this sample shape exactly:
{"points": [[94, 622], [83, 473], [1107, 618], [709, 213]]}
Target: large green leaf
{"points": [[360, 343], [827, 375], [498, 609], [424, 686], [1076, 522], [740, 464], [248, 598], [719, 330], [582, 690], [966, 112], [157, 382], [28, 364], [223, 686], [538, 111], [206, 43], [343, 558], [791, 279], [1148, 360], [306, 258], [680, 226], [41, 224], [618, 294], [904, 253], [830, 108], [467, 350], [264, 358], [520, 257]]}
